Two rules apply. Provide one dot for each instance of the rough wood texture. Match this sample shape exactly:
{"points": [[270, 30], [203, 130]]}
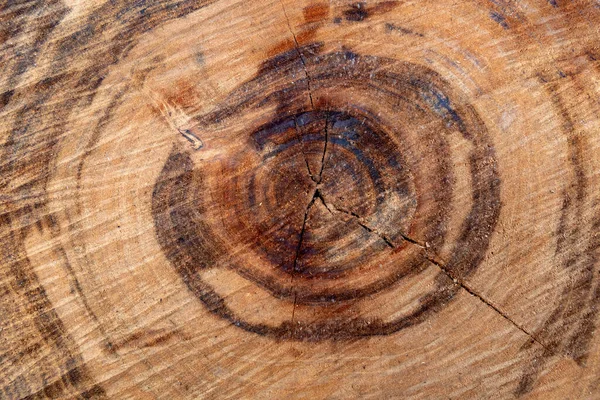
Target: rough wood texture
{"points": [[282, 199]]}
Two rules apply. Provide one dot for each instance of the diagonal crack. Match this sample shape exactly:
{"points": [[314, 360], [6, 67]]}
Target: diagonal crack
{"points": [[480, 297], [435, 260], [357, 219]]}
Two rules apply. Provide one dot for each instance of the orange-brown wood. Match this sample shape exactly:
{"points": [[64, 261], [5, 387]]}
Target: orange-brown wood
{"points": [[283, 199]]}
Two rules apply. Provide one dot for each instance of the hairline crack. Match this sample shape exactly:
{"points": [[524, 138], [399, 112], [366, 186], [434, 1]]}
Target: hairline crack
{"points": [[389, 243], [297, 255], [435, 260], [299, 55]]}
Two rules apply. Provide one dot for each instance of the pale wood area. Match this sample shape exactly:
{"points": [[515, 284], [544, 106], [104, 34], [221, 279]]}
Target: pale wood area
{"points": [[305, 200]]}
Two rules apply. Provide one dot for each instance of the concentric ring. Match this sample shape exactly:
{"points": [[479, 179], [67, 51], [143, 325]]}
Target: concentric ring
{"points": [[328, 204]]}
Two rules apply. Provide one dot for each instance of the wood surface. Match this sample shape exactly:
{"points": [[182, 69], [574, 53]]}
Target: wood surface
{"points": [[300, 199]]}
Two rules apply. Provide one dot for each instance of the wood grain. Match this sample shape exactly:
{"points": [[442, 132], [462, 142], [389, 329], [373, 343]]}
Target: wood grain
{"points": [[277, 199]]}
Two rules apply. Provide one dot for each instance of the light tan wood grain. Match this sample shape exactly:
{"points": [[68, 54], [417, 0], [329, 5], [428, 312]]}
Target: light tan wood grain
{"points": [[300, 199]]}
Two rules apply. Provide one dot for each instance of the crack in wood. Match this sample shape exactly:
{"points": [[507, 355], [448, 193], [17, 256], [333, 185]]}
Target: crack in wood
{"points": [[300, 240], [324, 149], [299, 138], [312, 104], [434, 259], [316, 195]]}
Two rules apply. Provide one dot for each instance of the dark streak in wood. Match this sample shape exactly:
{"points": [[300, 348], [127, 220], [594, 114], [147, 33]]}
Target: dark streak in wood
{"points": [[396, 28], [28, 155], [568, 330]]}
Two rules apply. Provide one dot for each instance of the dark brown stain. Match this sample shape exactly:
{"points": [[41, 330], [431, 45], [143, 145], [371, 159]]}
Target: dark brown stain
{"points": [[46, 320], [45, 16], [316, 12], [61, 385], [307, 35], [383, 7], [140, 75], [281, 47], [571, 66], [5, 98], [189, 240], [356, 12], [360, 11], [182, 94]]}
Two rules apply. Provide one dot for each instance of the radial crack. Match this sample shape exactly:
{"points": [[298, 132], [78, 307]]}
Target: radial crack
{"points": [[474, 293], [319, 196], [300, 240], [357, 219], [299, 138], [299, 55], [434, 259], [298, 248], [387, 241], [308, 86], [324, 150]]}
